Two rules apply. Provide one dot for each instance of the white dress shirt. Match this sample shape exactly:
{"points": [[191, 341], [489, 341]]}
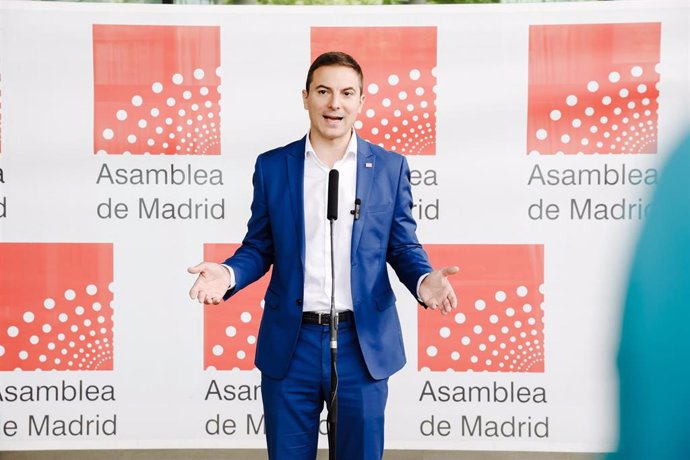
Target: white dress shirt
{"points": [[317, 236], [317, 231]]}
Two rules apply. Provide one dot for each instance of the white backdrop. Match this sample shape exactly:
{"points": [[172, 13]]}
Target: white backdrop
{"points": [[479, 169]]}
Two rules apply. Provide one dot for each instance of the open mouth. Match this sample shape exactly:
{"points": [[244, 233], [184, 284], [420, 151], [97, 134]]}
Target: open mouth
{"points": [[332, 119]]}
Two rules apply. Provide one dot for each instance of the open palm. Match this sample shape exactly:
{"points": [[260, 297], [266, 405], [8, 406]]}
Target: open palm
{"points": [[436, 291], [212, 283]]}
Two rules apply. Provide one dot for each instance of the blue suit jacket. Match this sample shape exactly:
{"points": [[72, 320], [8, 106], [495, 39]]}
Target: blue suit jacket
{"points": [[385, 232]]}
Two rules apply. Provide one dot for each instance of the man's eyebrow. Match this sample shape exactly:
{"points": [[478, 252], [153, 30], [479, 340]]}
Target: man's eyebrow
{"points": [[349, 88]]}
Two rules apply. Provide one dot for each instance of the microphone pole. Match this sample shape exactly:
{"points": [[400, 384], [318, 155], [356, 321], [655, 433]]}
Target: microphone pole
{"points": [[332, 215]]}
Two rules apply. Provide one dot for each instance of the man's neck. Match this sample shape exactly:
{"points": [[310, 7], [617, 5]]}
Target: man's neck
{"points": [[329, 150]]}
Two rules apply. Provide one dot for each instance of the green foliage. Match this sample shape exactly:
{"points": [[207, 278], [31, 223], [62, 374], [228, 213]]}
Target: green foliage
{"points": [[354, 2], [462, 1], [316, 2]]}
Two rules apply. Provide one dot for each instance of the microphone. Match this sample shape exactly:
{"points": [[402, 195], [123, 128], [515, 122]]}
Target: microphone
{"points": [[332, 212], [355, 212]]}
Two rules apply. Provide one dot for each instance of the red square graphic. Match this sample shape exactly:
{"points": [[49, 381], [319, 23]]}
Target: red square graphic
{"points": [[231, 328], [593, 88], [156, 89], [56, 309], [499, 323], [399, 66]]}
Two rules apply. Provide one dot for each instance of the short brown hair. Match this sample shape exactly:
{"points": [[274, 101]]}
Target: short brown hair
{"points": [[335, 58]]}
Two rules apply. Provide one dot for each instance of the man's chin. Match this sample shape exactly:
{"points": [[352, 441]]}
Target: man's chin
{"points": [[332, 133]]}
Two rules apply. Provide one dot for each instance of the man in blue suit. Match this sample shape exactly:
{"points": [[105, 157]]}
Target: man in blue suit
{"points": [[288, 229]]}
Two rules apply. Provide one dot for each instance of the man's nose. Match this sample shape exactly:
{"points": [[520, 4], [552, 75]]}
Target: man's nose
{"points": [[334, 101]]}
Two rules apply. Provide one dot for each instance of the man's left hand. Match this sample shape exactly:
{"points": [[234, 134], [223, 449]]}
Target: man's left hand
{"points": [[436, 291]]}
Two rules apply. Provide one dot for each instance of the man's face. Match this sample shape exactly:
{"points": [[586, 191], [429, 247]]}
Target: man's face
{"points": [[333, 101]]}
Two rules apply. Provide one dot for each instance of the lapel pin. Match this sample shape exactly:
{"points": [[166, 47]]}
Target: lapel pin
{"points": [[368, 165]]}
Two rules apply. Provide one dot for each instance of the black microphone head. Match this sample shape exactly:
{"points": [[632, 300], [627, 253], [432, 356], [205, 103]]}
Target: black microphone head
{"points": [[332, 210]]}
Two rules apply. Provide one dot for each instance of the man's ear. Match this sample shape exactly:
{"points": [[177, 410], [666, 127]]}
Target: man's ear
{"points": [[305, 94]]}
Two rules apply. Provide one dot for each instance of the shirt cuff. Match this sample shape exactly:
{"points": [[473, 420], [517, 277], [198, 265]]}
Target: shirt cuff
{"points": [[232, 277], [419, 283]]}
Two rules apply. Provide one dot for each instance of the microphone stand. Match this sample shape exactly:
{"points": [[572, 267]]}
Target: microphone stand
{"points": [[333, 400], [332, 215]]}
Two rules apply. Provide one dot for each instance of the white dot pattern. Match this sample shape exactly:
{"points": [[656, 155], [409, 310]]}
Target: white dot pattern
{"points": [[573, 114], [615, 107], [40, 325], [128, 115], [231, 329], [394, 105], [506, 334]]}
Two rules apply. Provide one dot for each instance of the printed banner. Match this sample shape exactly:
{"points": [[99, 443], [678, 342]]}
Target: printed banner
{"points": [[156, 89], [593, 88], [534, 135], [230, 329], [501, 328], [56, 307]]}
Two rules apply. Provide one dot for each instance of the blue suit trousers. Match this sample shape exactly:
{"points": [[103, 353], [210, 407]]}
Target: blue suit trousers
{"points": [[293, 404]]}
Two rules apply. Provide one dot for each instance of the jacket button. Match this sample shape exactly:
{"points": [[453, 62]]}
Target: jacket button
{"points": [[298, 302]]}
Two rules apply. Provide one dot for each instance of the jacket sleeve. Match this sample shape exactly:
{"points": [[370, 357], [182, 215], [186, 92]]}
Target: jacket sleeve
{"points": [[255, 256], [404, 253]]}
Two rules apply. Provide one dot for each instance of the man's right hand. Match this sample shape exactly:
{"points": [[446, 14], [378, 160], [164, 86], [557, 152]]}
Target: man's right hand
{"points": [[212, 283]]}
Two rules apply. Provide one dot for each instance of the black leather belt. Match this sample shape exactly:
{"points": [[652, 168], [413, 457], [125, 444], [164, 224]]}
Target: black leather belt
{"points": [[324, 319]]}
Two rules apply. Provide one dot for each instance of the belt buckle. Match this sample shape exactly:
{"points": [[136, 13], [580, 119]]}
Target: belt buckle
{"points": [[320, 314]]}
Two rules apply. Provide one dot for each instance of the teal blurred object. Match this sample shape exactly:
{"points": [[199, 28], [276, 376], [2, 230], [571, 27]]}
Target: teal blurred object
{"points": [[654, 354]]}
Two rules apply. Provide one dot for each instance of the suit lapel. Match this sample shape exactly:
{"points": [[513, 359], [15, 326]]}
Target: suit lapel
{"points": [[366, 165], [295, 171]]}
